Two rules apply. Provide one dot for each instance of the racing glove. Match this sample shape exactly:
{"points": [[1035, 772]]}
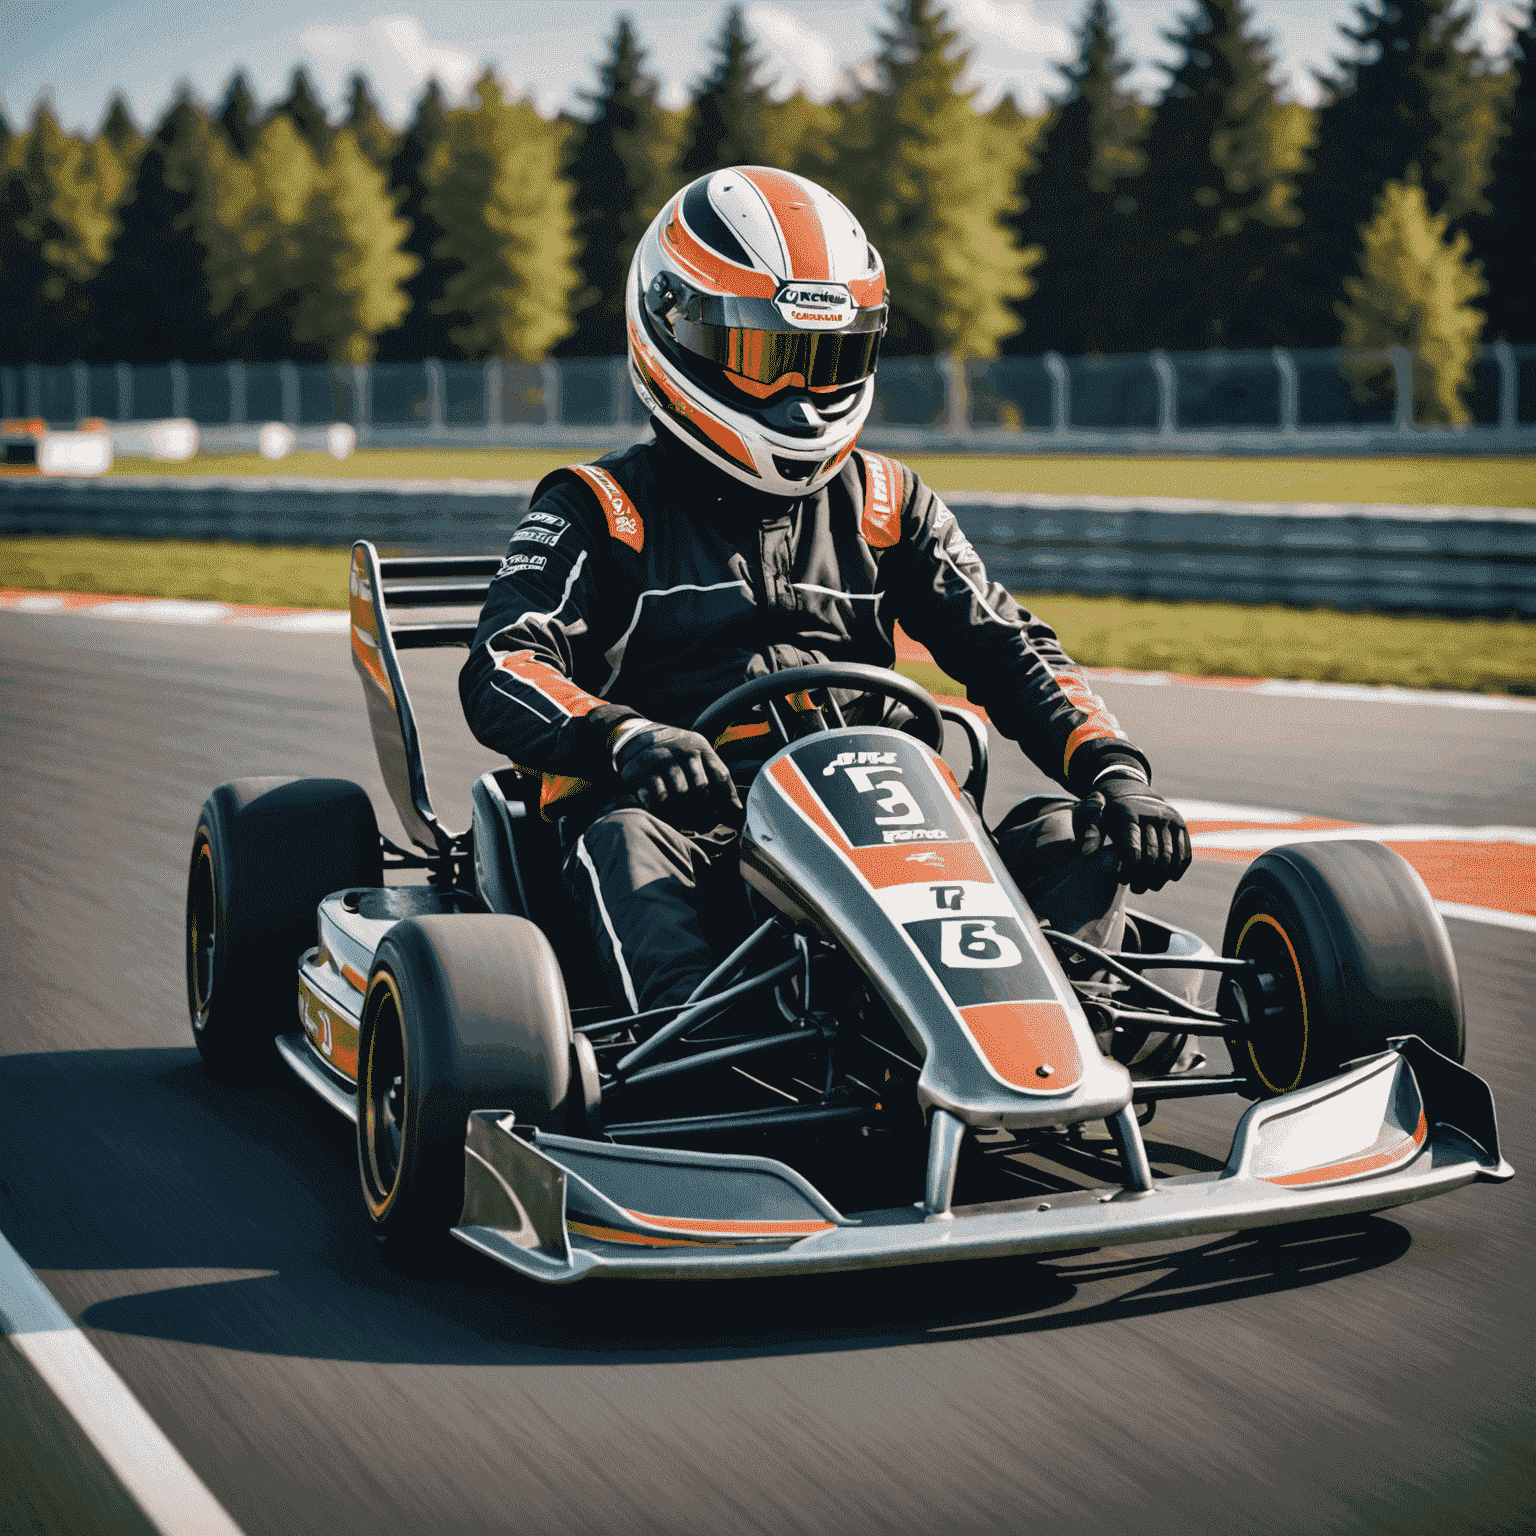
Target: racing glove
{"points": [[1150, 840], [673, 773]]}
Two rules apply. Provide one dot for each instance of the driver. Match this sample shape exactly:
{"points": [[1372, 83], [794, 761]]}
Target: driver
{"points": [[748, 536]]}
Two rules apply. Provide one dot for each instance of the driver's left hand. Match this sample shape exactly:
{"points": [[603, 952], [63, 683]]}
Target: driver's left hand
{"points": [[1150, 840]]}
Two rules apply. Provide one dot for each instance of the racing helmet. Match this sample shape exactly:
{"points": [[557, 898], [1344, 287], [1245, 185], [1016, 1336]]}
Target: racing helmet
{"points": [[755, 308]]}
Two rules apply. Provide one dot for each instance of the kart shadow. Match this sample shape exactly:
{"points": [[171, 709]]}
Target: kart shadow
{"points": [[230, 1219]]}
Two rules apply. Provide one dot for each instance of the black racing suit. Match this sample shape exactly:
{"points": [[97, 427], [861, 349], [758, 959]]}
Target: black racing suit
{"points": [[650, 585]]}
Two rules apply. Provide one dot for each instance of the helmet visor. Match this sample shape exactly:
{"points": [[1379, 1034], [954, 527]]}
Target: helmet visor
{"points": [[763, 362]]}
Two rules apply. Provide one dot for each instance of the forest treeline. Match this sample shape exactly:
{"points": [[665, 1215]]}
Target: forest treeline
{"points": [[1398, 211]]}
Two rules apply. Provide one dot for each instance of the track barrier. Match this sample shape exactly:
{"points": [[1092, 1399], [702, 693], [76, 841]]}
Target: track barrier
{"points": [[1334, 555]]}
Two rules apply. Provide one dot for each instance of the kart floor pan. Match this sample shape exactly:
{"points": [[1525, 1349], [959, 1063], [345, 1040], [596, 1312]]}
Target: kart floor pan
{"points": [[1395, 1128]]}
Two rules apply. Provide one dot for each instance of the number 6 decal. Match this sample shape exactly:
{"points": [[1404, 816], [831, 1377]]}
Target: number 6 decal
{"points": [[972, 944]]}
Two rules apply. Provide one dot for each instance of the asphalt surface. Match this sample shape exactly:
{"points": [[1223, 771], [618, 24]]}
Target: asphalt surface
{"points": [[1370, 1375]]}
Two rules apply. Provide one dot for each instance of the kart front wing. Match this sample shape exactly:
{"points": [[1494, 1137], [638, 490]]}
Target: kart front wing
{"points": [[1394, 1128]]}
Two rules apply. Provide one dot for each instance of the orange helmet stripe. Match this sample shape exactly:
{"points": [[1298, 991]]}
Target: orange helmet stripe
{"points": [[704, 263], [798, 220]]}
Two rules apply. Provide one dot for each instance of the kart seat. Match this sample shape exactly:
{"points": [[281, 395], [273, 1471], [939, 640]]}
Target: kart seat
{"points": [[517, 870]]}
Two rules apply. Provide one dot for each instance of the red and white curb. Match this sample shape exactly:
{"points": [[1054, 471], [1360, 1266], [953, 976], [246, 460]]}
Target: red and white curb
{"points": [[146, 1465], [176, 610], [1479, 874]]}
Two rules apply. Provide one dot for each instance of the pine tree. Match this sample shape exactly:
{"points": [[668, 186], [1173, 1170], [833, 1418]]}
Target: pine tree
{"points": [[374, 136], [119, 129], [26, 322], [350, 268], [725, 124], [260, 275], [415, 172], [1212, 205], [151, 300], [302, 105], [1415, 290], [613, 164], [922, 172], [1409, 105], [237, 115], [507, 228], [1506, 238], [65, 222], [1067, 197]]}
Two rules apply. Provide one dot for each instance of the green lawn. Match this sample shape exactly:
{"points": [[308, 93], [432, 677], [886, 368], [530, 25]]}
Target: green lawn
{"points": [[1482, 480], [1214, 639]]}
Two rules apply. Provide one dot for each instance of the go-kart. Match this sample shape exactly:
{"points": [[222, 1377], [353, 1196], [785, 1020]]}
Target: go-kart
{"points": [[836, 1092]]}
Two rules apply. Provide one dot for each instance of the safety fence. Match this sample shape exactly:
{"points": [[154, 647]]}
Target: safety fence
{"points": [[1440, 559], [1272, 400]]}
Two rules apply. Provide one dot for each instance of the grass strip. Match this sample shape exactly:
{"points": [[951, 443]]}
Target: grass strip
{"points": [[1480, 480], [1203, 639]]}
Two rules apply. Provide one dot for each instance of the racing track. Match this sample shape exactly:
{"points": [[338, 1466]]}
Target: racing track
{"points": [[1374, 1375]]}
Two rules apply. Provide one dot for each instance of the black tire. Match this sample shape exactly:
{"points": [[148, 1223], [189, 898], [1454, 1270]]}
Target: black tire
{"points": [[462, 1012], [265, 852], [1357, 954]]}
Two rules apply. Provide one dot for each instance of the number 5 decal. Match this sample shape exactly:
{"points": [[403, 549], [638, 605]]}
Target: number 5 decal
{"points": [[972, 944], [903, 810]]}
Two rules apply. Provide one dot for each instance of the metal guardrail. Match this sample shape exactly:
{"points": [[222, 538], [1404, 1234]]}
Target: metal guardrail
{"points": [[1442, 559], [1269, 401]]}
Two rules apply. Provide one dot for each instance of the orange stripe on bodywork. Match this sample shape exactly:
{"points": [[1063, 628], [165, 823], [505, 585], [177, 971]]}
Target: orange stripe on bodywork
{"points": [[787, 777], [904, 865], [624, 521], [884, 492], [355, 977], [1019, 1038], [368, 657], [1399, 1152], [555, 686], [798, 220], [618, 1235], [735, 1228]]}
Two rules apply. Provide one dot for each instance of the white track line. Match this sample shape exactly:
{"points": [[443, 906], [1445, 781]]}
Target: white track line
{"points": [[1291, 688], [1495, 919], [149, 1468], [1259, 838]]}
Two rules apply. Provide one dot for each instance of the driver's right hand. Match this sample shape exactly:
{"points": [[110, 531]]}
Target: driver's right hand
{"points": [[673, 773]]}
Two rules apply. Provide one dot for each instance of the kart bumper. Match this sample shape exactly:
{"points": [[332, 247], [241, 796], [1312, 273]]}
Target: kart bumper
{"points": [[1395, 1128]]}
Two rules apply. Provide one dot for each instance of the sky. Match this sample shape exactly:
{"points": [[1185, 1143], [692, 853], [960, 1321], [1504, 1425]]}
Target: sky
{"points": [[75, 53]]}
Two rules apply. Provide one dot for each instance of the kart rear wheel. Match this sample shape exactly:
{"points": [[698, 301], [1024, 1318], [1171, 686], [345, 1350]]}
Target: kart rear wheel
{"points": [[1351, 953], [265, 851], [463, 1012]]}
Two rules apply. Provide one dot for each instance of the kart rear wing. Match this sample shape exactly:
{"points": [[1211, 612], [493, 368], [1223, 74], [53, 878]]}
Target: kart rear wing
{"points": [[378, 589], [1394, 1128]]}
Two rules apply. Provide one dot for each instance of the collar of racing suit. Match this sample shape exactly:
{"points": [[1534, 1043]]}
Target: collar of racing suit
{"points": [[724, 501]]}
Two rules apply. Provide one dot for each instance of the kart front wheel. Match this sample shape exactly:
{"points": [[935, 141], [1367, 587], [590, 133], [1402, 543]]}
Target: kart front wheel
{"points": [[463, 1012], [265, 852], [1350, 953]]}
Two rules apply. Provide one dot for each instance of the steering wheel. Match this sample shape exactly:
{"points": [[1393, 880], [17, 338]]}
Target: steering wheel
{"points": [[855, 676]]}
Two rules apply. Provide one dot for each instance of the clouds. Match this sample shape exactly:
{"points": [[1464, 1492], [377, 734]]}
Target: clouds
{"points": [[796, 56], [397, 55], [1013, 49]]}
